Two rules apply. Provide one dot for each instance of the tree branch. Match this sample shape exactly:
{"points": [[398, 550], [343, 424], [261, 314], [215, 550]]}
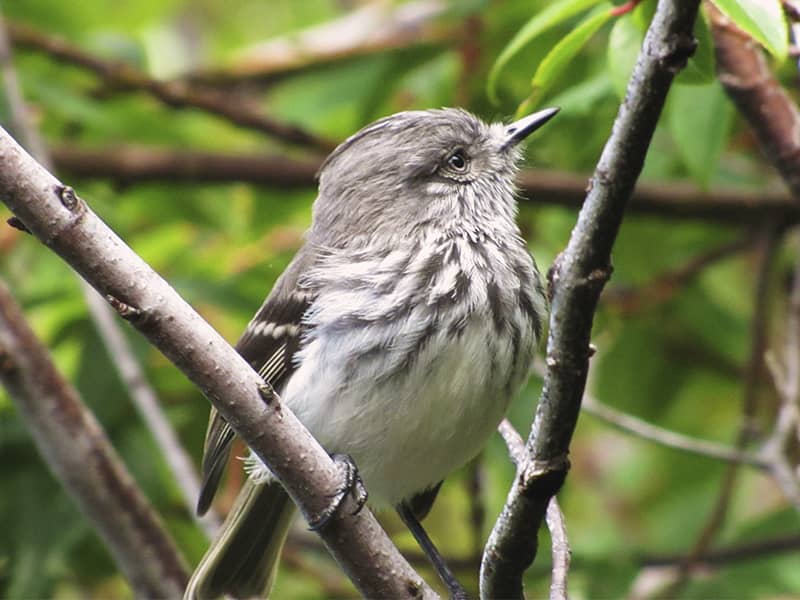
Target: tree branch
{"points": [[671, 439], [174, 94], [54, 214], [730, 554], [758, 95], [777, 449], [768, 245], [577, 278], [663, 286], [147, 404], [560, 550], [83, 459], [136, 164], [367, 30], [555, 519]]}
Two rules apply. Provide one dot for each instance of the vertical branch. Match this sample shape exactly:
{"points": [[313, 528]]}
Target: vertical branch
{"points": [[560, 549], [577, 279], [768, 244], [777, 449], [555, 518], [80, 455]]}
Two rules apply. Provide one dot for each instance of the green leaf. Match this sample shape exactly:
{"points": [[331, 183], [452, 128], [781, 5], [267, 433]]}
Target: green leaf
{"points": [[643, 14], [699, 120], [763, 20], [700, 68], [556, 61], [626, 40], [554, 14], [623, 48], [582, 99]]}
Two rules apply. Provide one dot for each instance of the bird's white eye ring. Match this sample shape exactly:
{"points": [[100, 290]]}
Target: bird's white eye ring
{"points": [[457, 161]]}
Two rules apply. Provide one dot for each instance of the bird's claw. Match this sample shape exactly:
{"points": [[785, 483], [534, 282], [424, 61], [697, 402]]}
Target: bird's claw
{"points": [[352, 485]]}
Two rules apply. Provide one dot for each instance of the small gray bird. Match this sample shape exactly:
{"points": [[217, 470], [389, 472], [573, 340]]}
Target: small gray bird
{"points": [[398, 334]]}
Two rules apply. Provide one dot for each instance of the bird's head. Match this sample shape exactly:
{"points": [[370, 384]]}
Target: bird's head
{"points": [[415, 172]]}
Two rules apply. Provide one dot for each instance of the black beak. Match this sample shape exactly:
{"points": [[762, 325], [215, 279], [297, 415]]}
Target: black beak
{"points": [[519, 130]]}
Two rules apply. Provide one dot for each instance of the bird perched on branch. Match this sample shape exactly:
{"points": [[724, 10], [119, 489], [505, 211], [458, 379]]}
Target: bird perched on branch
{"points": [[398, 334]]}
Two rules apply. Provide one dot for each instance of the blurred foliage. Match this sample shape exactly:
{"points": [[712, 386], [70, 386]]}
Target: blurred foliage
{"points": [[676, 362]]}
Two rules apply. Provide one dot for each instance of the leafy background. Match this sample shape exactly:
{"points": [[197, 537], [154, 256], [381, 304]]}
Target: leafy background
{"points": [[674, 358]]}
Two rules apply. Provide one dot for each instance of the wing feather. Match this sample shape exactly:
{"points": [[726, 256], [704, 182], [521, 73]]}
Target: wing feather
{"points": [[268, 344]]}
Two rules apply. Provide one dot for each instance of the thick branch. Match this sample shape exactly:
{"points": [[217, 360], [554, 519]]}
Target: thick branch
{"points": [[758, 95], [135, 164], [577, 279], [173, 94], [83, 459], [54, 214]]}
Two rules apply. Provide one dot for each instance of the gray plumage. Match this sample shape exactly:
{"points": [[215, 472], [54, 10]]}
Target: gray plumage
{"points": [[400, 331]]}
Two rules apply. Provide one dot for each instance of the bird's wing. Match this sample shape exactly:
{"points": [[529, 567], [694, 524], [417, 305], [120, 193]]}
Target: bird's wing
{"points": [[268, 344]]}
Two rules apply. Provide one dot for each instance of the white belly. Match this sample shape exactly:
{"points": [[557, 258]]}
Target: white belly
{"points": [[410, 379], [406, 432]]}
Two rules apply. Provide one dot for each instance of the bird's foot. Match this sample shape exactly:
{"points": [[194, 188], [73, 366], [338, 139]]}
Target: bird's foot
{"points": [[352, 485]]}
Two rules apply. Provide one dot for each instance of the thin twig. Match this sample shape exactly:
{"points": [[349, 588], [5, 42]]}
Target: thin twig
{"points": [[671, 439], [146, 401], [577, 279], [554, 517], [769, 242], [514, 442], [560, 550], [174, 94], [20, 123], [786, 376], [732, 554], [80, 455], [665, 285]]}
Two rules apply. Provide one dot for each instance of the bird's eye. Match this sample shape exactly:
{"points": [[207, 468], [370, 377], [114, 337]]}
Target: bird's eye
{"points": [[457, 161]]}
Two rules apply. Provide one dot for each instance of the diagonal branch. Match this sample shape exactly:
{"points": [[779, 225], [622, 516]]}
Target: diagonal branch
{"points": [[174, 94], [577, 278], [147, 404], [748, 80], [82, 458], [60, 219]]}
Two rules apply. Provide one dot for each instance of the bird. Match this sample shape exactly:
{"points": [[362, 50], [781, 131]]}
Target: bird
{"points": [[398, 334]]}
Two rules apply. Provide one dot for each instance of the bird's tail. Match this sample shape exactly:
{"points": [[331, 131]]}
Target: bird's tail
{"points": [[242, 561]]}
